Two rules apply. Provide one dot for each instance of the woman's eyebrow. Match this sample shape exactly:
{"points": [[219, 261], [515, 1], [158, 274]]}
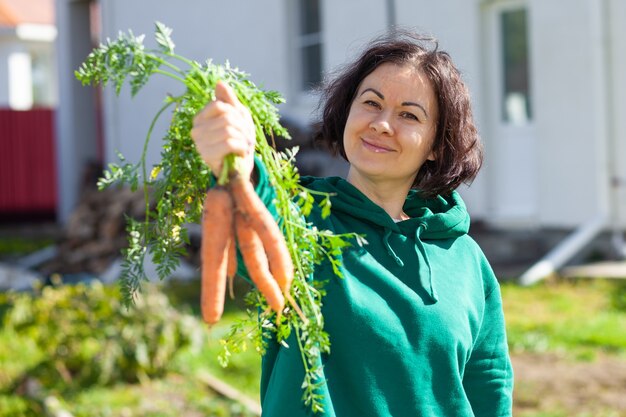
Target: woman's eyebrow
{"points": [[406, 103], [378, 93], [410, 103]]}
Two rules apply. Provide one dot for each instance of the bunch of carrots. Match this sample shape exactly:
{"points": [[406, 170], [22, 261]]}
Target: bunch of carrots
{"points": [[234, 214]]}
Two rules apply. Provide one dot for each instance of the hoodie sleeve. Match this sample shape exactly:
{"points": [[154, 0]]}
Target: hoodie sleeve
{"points": [[263, 187], [488, 377]]}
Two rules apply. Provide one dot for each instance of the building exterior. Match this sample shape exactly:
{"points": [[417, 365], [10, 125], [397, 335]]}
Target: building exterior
{"points": [[546, 77], [27, 60], [28, 96]]}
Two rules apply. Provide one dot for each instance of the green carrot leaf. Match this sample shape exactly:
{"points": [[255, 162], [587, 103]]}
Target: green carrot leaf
{"points": [[163, 38]]}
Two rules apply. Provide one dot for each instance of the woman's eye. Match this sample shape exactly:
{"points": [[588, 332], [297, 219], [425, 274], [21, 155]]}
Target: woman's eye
{"points": [[372, 103], [409, 116]]}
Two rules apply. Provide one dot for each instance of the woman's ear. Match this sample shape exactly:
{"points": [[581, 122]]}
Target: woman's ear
{"points": [[431, 156]]}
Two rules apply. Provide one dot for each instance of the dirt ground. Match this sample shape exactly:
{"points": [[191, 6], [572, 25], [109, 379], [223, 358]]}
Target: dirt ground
{"points": [[547, 382]]}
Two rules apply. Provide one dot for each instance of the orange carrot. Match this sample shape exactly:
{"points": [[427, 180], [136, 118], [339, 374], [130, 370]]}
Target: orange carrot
{"points": [[231, 271], [249, 203], [217, 232], [256, 262]]}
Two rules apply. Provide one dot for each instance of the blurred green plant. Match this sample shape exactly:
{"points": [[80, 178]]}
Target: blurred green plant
{"points": [[618, 296], [12, 406], [579, 318], [15, 245], [87, 337]]}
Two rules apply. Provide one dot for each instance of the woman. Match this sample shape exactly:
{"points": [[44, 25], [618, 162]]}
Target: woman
{"points": [[416, 324]]}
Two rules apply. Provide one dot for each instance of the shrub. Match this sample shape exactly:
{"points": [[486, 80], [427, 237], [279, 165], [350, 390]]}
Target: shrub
{"points": [[89, 338]]}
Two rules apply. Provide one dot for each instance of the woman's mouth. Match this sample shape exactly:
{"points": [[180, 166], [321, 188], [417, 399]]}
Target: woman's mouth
{"points": [[375, 147]]}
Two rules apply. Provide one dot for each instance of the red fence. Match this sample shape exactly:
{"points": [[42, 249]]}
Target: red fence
{"points": [[27, 162]]}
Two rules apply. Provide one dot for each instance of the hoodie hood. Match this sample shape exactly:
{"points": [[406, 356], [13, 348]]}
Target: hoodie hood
{"points": [[431, 219], [441, 217]]}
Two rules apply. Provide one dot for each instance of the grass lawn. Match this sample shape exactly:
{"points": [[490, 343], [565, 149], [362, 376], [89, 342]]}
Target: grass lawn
{"points": [[568, 346], [576, 318], [14, 246]]}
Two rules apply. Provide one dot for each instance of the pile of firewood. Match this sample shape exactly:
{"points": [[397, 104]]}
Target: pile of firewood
{"points": [[95, 233]]}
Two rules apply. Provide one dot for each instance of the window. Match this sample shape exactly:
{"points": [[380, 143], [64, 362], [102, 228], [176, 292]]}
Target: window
{"points": [[310, 44], [43, 78], [20, 81], [516, 100]]}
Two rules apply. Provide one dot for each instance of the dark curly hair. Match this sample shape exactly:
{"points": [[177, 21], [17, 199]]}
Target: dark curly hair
{"points": [[457, 147]]}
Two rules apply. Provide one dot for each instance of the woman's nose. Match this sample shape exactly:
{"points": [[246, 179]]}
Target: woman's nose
{"points": [[381, 124]]}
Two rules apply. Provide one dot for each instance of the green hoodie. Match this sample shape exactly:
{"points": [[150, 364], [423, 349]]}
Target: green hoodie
{"points": [[415, 325]]}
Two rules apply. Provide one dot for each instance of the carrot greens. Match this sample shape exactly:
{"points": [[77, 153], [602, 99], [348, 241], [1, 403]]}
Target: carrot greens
{"points": [[180, 181]]}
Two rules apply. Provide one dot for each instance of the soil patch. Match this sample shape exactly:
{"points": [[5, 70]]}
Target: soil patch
{"points": [[549, 382]]}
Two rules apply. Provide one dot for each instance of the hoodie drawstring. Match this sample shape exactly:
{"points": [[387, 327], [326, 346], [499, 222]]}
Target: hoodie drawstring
{"points": [[425, 271], [390, 250]]}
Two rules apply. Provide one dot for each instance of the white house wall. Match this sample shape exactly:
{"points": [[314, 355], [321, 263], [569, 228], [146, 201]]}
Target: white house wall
{"points": [[617, 25], [567, 84], [348, 25]]}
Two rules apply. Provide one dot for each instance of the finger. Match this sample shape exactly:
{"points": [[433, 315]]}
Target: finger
{"points": [[234, 146], [218, 113], [216, 129], [211, 138], [221, 115], [213, 109], [223, 92], [214, 154]]}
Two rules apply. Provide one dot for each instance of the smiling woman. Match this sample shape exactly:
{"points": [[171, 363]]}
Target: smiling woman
{"points": [[416, 324]]}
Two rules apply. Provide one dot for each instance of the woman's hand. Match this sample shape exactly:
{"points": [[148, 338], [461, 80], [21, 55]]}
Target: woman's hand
{"points": [[223, 127]]}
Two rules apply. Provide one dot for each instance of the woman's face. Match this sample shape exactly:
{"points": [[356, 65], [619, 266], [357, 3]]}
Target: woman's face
{"points": [[391, 126]]}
